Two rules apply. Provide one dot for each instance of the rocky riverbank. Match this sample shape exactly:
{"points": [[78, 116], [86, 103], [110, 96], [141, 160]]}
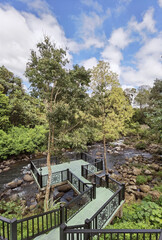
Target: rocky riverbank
{"points": [[140, 171]]}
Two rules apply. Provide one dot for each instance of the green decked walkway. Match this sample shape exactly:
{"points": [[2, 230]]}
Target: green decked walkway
{"points": [[102, 196]]}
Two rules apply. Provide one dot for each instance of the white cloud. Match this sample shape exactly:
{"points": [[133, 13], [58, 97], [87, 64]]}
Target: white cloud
{"points": [[89, 26], [89, 63], [160, 3], [93, 4], [147, 24], [21, 31], [120, 38], [148, 64], [112, 55]]}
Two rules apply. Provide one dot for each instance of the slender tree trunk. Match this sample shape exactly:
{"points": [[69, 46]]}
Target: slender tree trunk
{"points": [[49, 172], [52, 140], [105, 159]]}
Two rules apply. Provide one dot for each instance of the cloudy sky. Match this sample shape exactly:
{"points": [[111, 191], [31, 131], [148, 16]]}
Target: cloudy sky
{"points": [[126, 33]]}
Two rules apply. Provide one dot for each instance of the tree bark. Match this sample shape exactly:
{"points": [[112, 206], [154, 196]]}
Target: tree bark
{"points": [[49, 172], [105, 159]]}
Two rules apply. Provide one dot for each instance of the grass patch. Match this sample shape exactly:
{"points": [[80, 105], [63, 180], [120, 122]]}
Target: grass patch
{"points": [[141, 179]]}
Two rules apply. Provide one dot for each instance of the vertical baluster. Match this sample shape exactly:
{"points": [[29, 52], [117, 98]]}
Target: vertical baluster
{"points": [[3, 230], [156, 236], [33, 227], [8, 230], [55, 220], [143, 236], [47, 221], [150, 236], [51, 220], [110, 236], [124, 237], [42, 224], [38, 223], [27, 229]]}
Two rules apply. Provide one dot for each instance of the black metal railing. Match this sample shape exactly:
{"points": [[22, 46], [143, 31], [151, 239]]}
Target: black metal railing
{"points": [[30, 227], [100, 218], [4, 228], [78, 203], [33, 226], [83, 233]]}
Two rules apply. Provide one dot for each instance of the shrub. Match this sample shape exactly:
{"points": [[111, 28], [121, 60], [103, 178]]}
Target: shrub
{"points": [[22, 140], [141, 145], [141, 179]]}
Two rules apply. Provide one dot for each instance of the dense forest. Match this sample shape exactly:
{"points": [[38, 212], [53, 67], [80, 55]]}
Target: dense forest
{"points": [[80, 106], [69, 109]]}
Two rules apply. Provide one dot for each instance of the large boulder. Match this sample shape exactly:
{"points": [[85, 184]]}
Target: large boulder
{"points": [[136, 171], [28, 178], [131, 189], [64, 188], [155, 166], [148, 172], [129, 197], [14, 184], [145, 188], [155, 194]]}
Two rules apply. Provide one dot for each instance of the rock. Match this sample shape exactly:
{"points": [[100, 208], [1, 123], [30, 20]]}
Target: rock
{"points": [[131, 189], [28, 178], [6, 169], [64, 188], [129, 197], [139, 195], [7, 162], [33, 206], [59, 195], [99, 154], [114, 176], [14, 184], [136, 171], [68, 199], [130, 159], [14, 197], [145, 188], [155, 166], [155, 194], [111, 171], [148, 172]]}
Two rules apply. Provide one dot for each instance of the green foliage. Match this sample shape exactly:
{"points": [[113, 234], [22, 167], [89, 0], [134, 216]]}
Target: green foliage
{"points": [[141, 145], [4, 111], [10, 209], [22, 140], [158, 188], [140, 215], [142, 98], [141, 179]]}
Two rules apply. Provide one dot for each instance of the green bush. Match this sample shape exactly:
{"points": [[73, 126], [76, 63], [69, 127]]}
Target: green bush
{"points": [[140, 215], [141, 145], [141, 179], [20, 140]]}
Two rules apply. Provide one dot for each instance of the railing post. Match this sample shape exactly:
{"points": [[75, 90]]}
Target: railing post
{"points": [[123, 191], [68, 174], [107, 180], [62, 215], [94, 190], [88, 227], [13, 229], [82, 170], [62, 234]]}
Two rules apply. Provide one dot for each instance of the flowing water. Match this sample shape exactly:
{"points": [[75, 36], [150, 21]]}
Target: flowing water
{"points": [[20, 168]]}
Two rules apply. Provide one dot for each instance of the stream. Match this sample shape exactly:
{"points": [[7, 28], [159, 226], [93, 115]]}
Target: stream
{"points": [[19, 169]]}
